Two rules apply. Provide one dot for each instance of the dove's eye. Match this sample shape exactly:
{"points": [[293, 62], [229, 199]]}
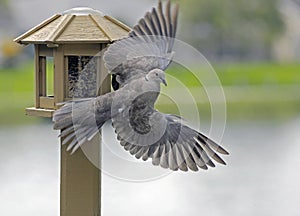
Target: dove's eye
{"points": [[156, 74]]}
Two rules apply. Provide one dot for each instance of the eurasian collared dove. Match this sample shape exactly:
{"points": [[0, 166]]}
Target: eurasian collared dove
{"points": [[137, 65]]}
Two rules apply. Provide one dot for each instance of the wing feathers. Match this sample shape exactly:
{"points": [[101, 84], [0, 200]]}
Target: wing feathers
{"points": [[163, 158], [156, 21], [172, 158], [197, 158], [146, 153], [174, 20], [212, 154], [150, 24], [137, 29], [212, 144], [189, 161], [180, 147], [144, 27], [148, 46], [180, 159], [140, 152], [168, 19], [156, 156], [204, 155], [161, 18]]}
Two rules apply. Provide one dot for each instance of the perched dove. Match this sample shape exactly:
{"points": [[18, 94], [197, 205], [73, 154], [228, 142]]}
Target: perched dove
{"points": [[137, 65]]}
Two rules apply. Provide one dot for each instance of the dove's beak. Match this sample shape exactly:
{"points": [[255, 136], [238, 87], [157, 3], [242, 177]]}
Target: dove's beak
{"points": [[164, 81]]}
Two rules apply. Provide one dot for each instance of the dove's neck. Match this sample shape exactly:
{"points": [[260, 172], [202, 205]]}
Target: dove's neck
{"points": [[153, 86]]}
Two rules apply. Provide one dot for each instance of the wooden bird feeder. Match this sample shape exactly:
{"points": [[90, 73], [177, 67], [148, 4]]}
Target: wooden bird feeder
{"points": [[74, 41]]}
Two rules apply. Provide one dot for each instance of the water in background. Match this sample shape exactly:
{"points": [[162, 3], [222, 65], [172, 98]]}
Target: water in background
{"points": [[262, 177]]}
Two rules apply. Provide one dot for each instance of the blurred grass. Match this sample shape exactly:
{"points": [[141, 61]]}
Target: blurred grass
{"points": [[252, 90], [240, 74], [17, 91], [259, 74], [17, 80]]}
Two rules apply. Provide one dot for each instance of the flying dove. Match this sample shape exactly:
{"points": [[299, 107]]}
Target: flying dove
{"points": [[137, 64]]}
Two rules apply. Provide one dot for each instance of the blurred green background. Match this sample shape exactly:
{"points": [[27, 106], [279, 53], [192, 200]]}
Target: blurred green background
{"points": [[253, 47]]}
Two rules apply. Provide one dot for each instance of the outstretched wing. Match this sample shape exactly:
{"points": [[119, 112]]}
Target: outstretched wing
{"points": [[148, 46], [170, 143]]}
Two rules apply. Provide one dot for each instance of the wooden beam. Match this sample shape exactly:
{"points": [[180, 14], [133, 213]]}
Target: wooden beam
{"points": [[60, 28], [80, 187], [36, 28], [91, 49], [37, 76], [33, 111], [42, 82], [47, 102], [80, 172], [117, 22], [102, 26], [59, 75], [103, 78], [45, 51]]}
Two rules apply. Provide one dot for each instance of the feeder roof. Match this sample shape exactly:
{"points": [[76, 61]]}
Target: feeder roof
{"points": [[83, 25]]}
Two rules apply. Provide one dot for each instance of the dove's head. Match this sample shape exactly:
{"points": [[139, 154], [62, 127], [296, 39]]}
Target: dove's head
{"points": [[157, 75]]}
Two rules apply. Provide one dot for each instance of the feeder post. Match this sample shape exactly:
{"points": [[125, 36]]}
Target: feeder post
{"points": [[80, 187], [80, 183]]}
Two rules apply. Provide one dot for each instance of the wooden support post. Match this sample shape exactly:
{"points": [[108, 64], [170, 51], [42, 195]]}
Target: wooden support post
{"points": [[80, 188], [37, 76], [103, 80], [59, 77]]}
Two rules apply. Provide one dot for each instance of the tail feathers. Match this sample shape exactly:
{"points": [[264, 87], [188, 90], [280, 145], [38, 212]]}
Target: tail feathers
{"points": [[77, 122], [71, 111]]}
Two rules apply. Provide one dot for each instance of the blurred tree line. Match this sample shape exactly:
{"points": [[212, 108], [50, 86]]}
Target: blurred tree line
{"points": [[232, 29]]}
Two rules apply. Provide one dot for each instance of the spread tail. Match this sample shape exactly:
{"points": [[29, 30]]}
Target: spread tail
{"points": [[79, 121]]}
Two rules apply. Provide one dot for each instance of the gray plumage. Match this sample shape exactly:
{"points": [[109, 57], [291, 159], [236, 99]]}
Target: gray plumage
{"points": [[149, 46], [137, 64]]}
